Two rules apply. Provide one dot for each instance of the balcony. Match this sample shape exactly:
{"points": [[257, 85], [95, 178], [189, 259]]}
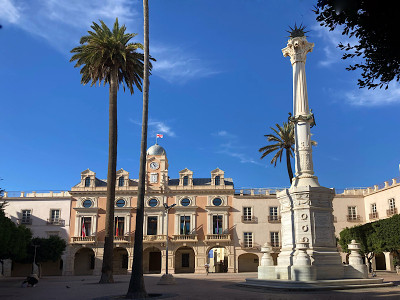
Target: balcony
{"points": [[274, 219], [249, 219], [250, 246], [184, 238], [25, 221], [225, 237], [373, 216], [56, 222], [160, 238], [391, 211], [83, 240], [353, 218], [122, 239]]}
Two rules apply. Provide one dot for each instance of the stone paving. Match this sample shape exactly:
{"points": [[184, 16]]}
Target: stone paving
{"points": [[188, 286]]}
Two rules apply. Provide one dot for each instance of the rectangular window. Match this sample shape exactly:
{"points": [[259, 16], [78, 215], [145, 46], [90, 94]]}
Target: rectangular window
{"points": [[217, 224], [26, 216], [373, 208], [247, 214], [248, 239], [185, 260], [352, 212], [119, 224], [392, 203], [86, 226], [55, 215], [153, 177], [152, 225], [184, 227], [274, 238], [273, 214]]}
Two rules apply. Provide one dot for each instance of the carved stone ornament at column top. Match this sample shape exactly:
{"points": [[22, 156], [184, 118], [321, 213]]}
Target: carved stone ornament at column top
{"points": [[297, 48]]}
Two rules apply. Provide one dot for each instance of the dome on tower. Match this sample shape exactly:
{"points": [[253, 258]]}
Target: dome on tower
{"points": [[156, 150]]}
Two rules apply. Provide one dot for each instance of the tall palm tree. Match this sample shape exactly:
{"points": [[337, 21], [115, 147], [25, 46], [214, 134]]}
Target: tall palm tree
{"points": [[283, 139], [136, 285], [109, 57]]}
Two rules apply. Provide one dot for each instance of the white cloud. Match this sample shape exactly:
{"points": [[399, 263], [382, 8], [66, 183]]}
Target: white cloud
{"points": [[155, 126], [374, 97], [178, 65], [230, 147], [9, 11]]}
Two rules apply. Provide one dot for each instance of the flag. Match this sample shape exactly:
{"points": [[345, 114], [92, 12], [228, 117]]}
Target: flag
{"points": [[116, 228], [83, 228], [160, 136]]}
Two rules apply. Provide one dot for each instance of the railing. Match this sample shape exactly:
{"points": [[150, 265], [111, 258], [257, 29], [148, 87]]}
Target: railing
{"points": [[373, 215], [218, 237], [185, 238], [40, 193], [25, 221], [353, 218], [122, 239], [391, 211], [257, 191], [56, 221], [250, 246], [274, 219], [83, 239], [154, 238], [249, 219]]}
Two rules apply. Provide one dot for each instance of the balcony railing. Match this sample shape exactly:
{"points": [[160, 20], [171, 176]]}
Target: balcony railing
{"points": [[391, 211], [25, 221], [250, 246], [353, 218], [56, 221], [154, 238], [185, 238], [373, 215], [83, 240], [274, 219], [122, 239], [225, 237], [249, 219]]}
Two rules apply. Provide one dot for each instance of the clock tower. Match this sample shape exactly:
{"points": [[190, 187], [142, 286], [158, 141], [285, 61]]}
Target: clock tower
{"points": [[157, 167]]}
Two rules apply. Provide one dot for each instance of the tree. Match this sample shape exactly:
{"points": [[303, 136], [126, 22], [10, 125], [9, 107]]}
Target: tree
{"points": [[14, 239], [374, 25], [283, 140], [108, 56], [137, 288]]}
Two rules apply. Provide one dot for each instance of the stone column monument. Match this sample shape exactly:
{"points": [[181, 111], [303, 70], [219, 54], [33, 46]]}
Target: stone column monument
{"points": [[308, 236]]}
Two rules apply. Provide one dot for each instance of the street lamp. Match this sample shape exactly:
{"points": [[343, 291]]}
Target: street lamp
{"points": [[35, 267], [167, 278]]}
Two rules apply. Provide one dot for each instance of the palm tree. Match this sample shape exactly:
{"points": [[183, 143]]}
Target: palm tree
{"points": [[282, 140], [109, 56], [136, 285]]}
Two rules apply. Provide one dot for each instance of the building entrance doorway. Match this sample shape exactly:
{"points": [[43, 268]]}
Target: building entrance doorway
{"points": [[152, 260], [217, 258], [84, 262]]}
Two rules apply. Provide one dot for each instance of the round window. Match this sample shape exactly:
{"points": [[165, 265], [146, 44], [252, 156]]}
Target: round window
{"points": [[185, 202], [87, 203], [153, 202], [120, 203], [217, 202]]}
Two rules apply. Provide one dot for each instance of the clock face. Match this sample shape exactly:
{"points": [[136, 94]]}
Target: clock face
{"points": [[154, 165]]}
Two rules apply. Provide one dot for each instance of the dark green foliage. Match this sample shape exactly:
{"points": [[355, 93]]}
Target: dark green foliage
{"points": [[374, 24], [377, 237], [50, 249], [13, 239]]}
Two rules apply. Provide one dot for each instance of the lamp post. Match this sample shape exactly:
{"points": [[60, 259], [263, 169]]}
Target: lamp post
{"points": [[34, 267], [167, 278]]}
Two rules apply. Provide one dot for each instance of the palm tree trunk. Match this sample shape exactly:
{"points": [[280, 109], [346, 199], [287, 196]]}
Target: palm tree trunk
{"points": [[289, 165], [107, 268], [136, 285]]}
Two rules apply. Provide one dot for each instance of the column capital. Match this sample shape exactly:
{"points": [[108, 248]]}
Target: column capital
{"points": [[297, 49]]}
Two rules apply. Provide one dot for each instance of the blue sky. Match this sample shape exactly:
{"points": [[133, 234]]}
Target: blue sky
{"points": [[219, 83]]}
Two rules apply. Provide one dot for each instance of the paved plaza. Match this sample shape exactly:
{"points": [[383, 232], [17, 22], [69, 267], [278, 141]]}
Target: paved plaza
{"points": [[188, 286]]}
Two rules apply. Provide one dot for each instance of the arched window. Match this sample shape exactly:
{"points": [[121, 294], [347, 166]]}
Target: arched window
{"points": [[217, 180], [87, 181], [185, 180], [121, 181]]}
